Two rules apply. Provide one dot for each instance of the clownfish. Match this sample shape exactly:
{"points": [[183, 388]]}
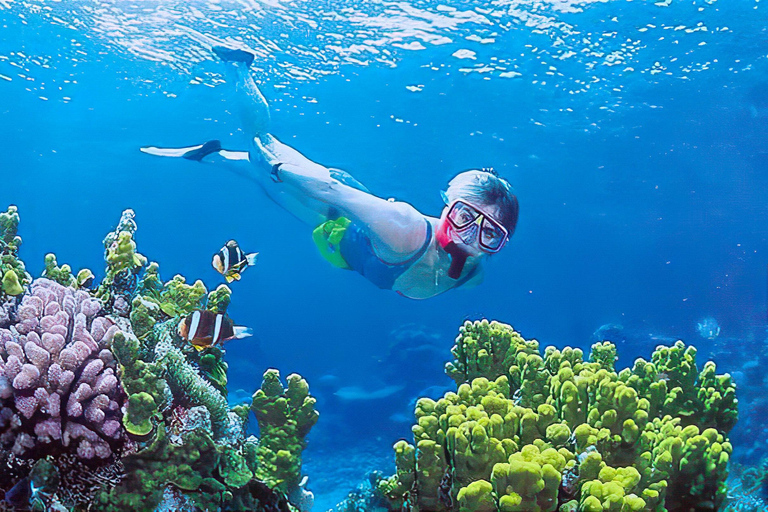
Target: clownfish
{"points": [[231, 261], [203, 329]]}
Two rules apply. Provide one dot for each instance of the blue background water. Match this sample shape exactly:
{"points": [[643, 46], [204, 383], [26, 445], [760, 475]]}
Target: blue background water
{"points": [[634, 134]]}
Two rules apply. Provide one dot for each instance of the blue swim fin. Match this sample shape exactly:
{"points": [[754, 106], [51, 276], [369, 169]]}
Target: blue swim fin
{"points": [[233, 55]]}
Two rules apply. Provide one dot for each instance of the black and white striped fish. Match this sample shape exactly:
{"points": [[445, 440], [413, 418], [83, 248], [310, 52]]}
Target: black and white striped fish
{"points": [[231, 261], [203, 329]]}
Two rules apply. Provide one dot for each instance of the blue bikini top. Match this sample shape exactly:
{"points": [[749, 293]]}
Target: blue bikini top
{"points": [[357, 250]]}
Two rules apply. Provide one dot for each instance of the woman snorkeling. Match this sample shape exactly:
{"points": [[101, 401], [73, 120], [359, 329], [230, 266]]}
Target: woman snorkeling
{"points": [[389, 242]]}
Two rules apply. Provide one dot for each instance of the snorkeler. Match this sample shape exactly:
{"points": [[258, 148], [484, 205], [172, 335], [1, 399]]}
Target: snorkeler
{"points": [[389, 242]]}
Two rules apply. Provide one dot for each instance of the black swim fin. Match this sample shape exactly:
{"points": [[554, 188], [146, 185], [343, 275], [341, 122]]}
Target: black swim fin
{"points": [[212, 146], [197, 152]]}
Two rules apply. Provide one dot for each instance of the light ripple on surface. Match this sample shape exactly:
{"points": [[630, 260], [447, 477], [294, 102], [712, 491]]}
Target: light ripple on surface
{"points": [[590, 47]]}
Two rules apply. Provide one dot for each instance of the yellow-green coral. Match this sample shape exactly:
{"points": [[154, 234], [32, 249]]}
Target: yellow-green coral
{"points": [[285, 416], [60, 274], [14, 275], [122, 255], [11, 284], [522, 423]]}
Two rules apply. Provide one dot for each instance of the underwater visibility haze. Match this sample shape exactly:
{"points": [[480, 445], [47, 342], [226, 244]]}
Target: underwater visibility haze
{"points": [[634, 135]]}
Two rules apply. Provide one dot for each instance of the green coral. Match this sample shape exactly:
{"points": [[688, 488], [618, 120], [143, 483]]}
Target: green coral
{"points": [[285, 416], [674, 386], [531, 479], [518, 422], [11, 284], [143, 383], [214, 368], [189, 466], [180, 299], [218, 299], [139, 410], [14, 275], [9, 226], [185, 378], [485, 349], [60, 274], [122, 255], [123, 262]]}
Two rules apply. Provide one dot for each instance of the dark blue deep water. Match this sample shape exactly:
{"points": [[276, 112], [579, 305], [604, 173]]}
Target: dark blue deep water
{"points": [[635, 135]]}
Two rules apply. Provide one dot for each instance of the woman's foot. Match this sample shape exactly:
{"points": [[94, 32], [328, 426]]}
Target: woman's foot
{"points": [[233, 55]]}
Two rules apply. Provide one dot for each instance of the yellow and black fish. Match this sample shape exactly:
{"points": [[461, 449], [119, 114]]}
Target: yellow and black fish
{"points": [[203, 329], [231, 261]]}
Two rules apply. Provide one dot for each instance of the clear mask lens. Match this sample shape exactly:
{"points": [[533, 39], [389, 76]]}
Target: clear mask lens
{"points": [[491, 236], [464, 219], [462, 215]]}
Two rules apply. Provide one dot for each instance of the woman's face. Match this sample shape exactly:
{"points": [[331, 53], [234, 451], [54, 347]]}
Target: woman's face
{"points": [[470, 235]]}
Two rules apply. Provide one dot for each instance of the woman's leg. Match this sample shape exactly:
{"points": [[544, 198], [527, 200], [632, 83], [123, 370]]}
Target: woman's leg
{"points": [[251, 106], [268, 152]]}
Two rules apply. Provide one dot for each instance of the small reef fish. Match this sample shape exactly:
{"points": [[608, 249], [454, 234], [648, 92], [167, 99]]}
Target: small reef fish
{"points": [[231, 261], [708, 328], [205, 329]]}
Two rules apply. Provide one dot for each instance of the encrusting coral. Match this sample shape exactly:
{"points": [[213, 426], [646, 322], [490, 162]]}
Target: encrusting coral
{"points": [[102, 404], [529, 433]]}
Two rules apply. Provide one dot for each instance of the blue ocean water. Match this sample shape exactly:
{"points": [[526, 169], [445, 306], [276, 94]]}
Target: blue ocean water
{"points": [[633, 132]]}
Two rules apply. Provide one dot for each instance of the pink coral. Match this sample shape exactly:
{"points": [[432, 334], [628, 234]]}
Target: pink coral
{"points": [[58, 383]]}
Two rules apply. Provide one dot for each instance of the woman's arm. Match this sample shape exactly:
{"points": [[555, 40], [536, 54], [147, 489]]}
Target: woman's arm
{"points": [[396, 229]]}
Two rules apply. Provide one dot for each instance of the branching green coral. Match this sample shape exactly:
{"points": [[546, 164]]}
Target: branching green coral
{"points": [[285, 417], [60, 274], [14, 276], [218, 299], [123, 262], [9, 226], [179, 299], [485, 349], [674, 386], [506, 440]]}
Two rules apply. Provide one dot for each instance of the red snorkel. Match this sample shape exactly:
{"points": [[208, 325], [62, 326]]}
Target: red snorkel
{"points": [[457, 253]]}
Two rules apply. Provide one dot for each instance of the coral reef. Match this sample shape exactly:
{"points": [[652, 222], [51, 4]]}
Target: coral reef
{"points": [[524, 432], [58, 387], [104, 406]]}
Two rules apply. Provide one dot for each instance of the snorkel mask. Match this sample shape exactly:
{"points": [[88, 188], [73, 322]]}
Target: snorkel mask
{"points": [[469, 224]]}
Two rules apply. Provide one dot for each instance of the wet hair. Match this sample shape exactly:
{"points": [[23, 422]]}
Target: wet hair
{"points": [[486, 187]]}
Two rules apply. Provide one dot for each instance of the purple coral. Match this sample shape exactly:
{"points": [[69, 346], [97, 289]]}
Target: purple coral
{"points": [[58, 386]]}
